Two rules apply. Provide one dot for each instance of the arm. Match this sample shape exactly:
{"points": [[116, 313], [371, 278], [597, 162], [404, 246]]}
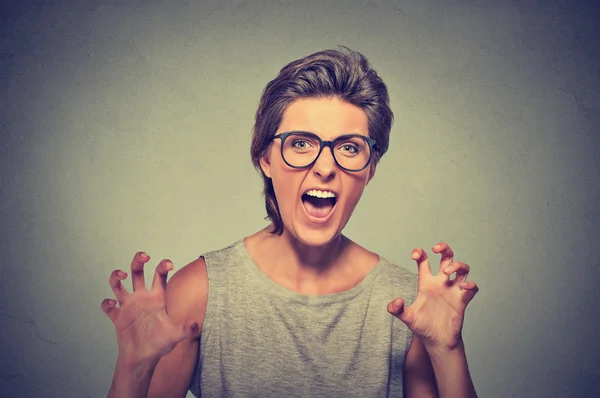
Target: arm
{"points": [[157, 350], [436, 363], [452, 372], [436, 374], [187, 293], [419, 377]]}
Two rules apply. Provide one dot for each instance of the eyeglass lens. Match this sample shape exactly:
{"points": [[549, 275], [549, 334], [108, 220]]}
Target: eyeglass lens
{"points": [[351, 152]]}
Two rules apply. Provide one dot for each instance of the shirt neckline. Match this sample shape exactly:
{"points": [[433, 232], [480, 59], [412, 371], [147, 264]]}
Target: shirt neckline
{"points": [[271, 287]]}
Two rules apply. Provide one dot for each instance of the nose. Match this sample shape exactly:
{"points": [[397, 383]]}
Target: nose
{"points": [[325, 167]]}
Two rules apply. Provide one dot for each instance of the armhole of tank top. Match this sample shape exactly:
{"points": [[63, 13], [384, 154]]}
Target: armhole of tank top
{"points": [[401, 341], [194, 386], [208, 322], [407, 333]]}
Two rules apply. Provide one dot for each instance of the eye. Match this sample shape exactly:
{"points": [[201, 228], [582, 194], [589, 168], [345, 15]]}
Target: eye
{"points": [[301, 144], [349, 148]]}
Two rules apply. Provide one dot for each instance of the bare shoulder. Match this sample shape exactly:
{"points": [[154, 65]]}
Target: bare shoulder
{"points": [[194, 272], [187, 291]]}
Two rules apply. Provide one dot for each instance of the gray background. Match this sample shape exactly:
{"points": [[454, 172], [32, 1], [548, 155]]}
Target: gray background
{"points": [[126, 126]]}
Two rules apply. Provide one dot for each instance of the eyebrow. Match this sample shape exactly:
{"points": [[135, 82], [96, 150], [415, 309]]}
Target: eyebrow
{"points": [[334, 138]]}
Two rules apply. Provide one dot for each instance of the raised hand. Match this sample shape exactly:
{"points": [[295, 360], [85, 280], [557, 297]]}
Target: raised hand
{"points": [[437, 313], [144, 329]]}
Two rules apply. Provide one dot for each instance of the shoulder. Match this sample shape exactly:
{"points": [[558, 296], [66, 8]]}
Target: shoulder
{"points": [[188, 277], [386, 269], [187, 292], [223, 255], [397, 273], [396, 281]]}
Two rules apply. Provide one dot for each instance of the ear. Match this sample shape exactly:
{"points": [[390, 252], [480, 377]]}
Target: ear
{"points": [[265, 163], [371, 174]]}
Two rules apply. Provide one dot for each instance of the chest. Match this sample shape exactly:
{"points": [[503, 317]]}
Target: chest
{"points": [[273, 349]]}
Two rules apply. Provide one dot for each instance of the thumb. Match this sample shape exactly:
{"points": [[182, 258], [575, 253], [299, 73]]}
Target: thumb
{"points": [[397, 309]]}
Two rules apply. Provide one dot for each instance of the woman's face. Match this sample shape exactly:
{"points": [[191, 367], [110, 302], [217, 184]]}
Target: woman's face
{"points": [[311, 220]]}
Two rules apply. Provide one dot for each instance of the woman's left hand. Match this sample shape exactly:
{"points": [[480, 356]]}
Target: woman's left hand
{"points": [[437, 313]]}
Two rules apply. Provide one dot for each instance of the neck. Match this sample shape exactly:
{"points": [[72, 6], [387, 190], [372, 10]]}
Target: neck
{"points": [[304, 262], [335, 267]]}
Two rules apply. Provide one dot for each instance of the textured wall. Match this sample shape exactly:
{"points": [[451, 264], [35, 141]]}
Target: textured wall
{"points": [[126, 126]]}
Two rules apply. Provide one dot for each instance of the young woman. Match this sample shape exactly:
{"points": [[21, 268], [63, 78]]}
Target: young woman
{"points": [[298, 309]]}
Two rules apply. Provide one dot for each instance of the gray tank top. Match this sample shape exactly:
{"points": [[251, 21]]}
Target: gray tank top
{"points": [[260, 339]]}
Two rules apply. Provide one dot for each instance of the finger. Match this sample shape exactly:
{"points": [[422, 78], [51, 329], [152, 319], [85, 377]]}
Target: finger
{"points": [[420, 257], [461, 269], [160, 275], [470, 289], [400, 311], [117, 287], [446, 252], [137, 270], [109, 307]]}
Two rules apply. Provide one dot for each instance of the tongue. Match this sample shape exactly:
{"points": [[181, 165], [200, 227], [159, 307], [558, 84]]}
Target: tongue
{"points": [[318, 207]]}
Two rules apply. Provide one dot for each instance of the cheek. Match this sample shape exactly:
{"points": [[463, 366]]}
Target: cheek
{"points": [[357, 186], [282, 189], [285, 184]]}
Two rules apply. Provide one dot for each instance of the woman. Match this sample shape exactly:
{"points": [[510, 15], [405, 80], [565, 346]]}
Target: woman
{"points": [[298, 309]]}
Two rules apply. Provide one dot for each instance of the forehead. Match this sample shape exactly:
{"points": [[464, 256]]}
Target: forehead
{"points": [[326, 117]]}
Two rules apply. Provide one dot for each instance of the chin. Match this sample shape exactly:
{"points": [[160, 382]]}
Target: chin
{"points": [[314, 237]]}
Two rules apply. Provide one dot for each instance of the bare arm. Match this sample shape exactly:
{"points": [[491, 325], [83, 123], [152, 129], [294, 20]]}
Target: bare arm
{"points": [[452, 372], [419, 377], [436, 363], [436, 374], [186, 299], [157, 348]]}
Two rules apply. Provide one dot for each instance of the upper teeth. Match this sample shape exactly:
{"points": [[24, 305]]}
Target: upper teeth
{"points": [[320, 194]]}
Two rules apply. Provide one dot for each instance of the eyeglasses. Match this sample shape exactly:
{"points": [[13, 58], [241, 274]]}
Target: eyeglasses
{"points": [[351, 152]]}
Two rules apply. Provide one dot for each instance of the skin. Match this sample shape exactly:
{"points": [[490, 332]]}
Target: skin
{"points": [[158, 329], [316, 254]]}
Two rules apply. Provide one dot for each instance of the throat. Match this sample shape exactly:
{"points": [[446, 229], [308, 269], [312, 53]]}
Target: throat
{"points": [[318, 207]]}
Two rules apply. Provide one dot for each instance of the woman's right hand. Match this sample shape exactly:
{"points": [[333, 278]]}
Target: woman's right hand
{"points": [[144, 330]]}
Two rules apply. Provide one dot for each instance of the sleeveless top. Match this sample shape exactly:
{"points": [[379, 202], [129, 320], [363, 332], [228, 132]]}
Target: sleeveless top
{"points": [[260, 339]]}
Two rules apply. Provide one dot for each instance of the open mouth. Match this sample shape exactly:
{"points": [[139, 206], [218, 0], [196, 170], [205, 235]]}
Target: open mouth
{"points": [[318, 204]]}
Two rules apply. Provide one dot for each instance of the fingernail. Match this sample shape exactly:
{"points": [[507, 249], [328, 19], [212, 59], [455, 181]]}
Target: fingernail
{"points": [[437, 247], [447, 270], [144, 256], [397, 303], [121, 273], [415, 255]]}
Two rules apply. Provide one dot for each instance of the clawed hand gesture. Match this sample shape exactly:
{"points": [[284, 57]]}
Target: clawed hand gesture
{"points": [[144, 330], [437, 313]]}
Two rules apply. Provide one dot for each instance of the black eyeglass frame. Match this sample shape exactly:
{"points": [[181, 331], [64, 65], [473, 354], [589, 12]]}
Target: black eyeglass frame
{"points": [[325, 143]]}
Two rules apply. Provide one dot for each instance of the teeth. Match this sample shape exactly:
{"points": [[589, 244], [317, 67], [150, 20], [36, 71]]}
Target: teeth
{"points": [[320, 194]]}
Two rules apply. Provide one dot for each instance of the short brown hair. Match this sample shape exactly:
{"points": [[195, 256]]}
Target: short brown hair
{"points": [[343, 73]]}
